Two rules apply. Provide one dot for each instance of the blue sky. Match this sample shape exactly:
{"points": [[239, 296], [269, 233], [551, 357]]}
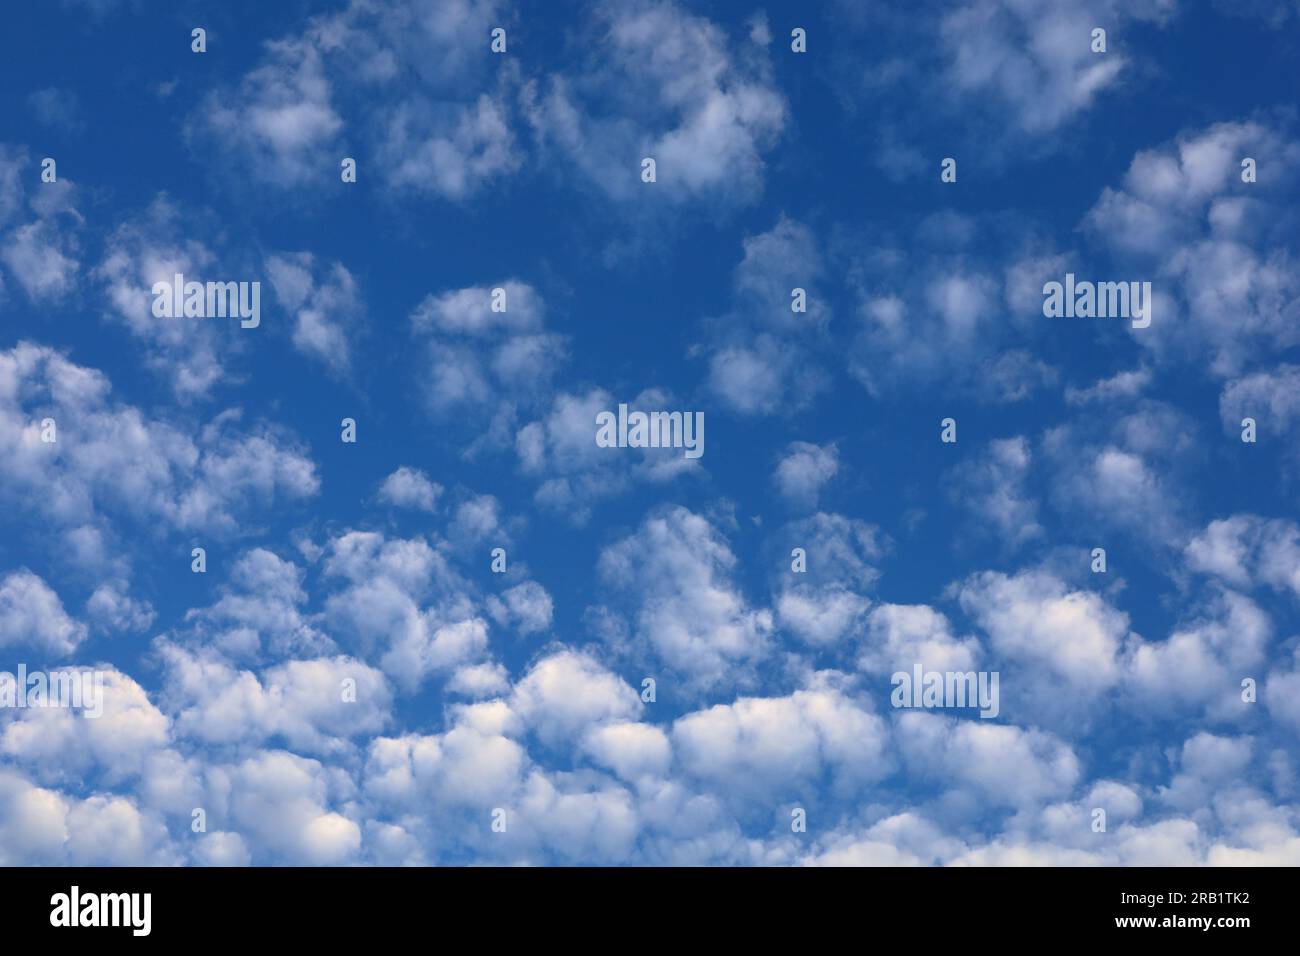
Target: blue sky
{"points": [[482, 696]]}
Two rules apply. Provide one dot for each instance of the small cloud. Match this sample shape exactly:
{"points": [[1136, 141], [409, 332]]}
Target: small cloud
{"points": [[804, 470], [410, 488], [56, 109]]}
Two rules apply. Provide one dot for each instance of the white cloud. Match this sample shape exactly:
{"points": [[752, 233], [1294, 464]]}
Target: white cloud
{"points": [[66, 744], [994, 488], [32, 616], [673, 88], [452, 152], [281, 120], [1037, 619], [777, 745], [478, 518], [804, 470], [982, 756], [577, 823], [1122, 385], [904, 839], [323, 307], [46, 826], [155, 246], [281, 802], [480, 680], [1248, 552], [901, 636], [764, 354], [463, 768], [821, 616], [560, 450], [345, 77], [259, 613], [222, 848], [410, 488], [484, 366], [1271, 398], [1207, 762], [1281, 694], [1061, 651], [826, 602], [566, 693], [676, 569], [632, 750], [1134, 477], [403, 607], [1212, 245], [937, 321], [112, 609], [1036, 60], [313, 705], [39, 229], [526, 607], [1200, 665]]}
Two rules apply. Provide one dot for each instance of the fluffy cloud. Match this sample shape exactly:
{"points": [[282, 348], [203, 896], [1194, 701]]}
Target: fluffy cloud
{"points": [[312, 705], [39, 229], [486, 358], [994, 488], [410, 488], [761, 360], [449, 152], [112, 609], [1213, 244], [1129, 471], [1062, 652], [323, 306], [352, 685], [403, 607], [828, 600], [109, 457], [40, 825], [705, 109], [343, 77], [804, 469], [1036, 61], [154, 246], [566, 693], [981, 756], [777, 745], [1035, 618], [259, 613], [901, 636], [525, 607], [1248, 552], [280, 118], [935, 310], [1281, 695], [1271, 398], [281, 801], [676, 569], [632, 750], [1200, 666], [560, 450], [115, 734], [32, 617]]}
